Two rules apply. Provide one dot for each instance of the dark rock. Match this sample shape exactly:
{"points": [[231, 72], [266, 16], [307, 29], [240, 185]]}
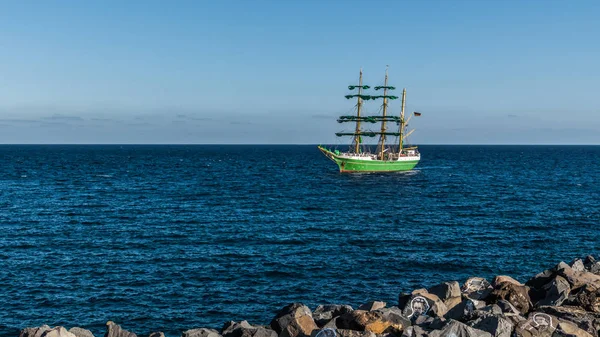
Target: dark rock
{"points": [[537, 325], [445, 290], [325, 313], [452, 302], [496, 325], [464, 311], [588, 261], [114, 330], [507, 308], [245, 329], [430, 323], [584, 320], [414, 331], [79, 332], [423, 303], [554, 292], [506, 288], [201, 332], [294, 320], [587, 297], [34, 332], [476, 288], [458, 329], [374, 305]]}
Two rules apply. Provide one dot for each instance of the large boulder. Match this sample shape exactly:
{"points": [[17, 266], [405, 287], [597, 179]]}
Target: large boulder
{"points": [[325, 313], [245, 329], [446, 290], [201, 332], [458, 329], [386, 320], [58, 331], [508, 289], [554, 292], [114, 330], [568, 329], [578, 278], [423, 303], [587, 321], [537, 325], [294, 320], [586, 296], [34, 332], [496, 325], [476, 288], [80, 332], [465, 310]]}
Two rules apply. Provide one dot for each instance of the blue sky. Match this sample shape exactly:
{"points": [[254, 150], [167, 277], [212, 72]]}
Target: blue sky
{"points": [[481, 72]]}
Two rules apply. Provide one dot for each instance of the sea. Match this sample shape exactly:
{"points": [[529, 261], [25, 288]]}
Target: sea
{"points": [[173, 237]]}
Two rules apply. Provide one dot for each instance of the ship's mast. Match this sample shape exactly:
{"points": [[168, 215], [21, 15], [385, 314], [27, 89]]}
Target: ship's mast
{"points": [[402, 125], [382, 137], [358, 105]]}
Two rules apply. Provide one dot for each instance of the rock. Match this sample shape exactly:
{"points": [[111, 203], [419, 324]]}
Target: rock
{"points": [[80, 332], [452, 302], [325, 313], [507, 308], [34, 332], [156, 334], [458, 329], [512, 291], [476, 288], [201, 332], [587, 297], [374, 305], [423, 303], [114, 330], [583, 319], [537, 325], [577, 265], [464, 311], [503, 278], [554, 292], [58, 331], [568, 329], [588, 261], [377, 321], [354, 333], [245, 329], [577, 278], [294, 320], [414, 331], [445, 290], [496, 325]]}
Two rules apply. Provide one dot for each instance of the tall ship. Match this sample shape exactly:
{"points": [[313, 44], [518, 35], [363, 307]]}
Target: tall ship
{"points": [[390, 156]]}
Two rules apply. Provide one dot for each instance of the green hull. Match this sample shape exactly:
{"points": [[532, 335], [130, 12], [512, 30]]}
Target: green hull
{"points": [[354, 165]]}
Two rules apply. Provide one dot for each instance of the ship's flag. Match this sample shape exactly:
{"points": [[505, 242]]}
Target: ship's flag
{"points": [[417, 114]]}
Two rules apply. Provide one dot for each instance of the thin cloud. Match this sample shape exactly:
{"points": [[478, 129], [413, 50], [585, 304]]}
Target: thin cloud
{"points": [[513, 116]]}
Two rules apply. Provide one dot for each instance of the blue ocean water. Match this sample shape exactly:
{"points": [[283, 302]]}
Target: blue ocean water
{"points": [[177, 237]]}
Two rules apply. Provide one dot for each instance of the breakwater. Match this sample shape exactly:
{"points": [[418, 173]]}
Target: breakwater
{"points": [[561, 301]]}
